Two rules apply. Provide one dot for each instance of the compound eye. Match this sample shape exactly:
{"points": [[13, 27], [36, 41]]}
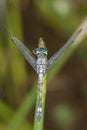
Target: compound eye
{"points": [[41, 50], [45, 52], [36, 51]]}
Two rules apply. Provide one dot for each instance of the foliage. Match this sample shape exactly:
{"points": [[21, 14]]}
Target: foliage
{"points": [[14, 76]]}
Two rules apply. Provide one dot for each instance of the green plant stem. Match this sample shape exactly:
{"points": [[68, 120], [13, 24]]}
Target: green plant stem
{"points": [[39, 125]]}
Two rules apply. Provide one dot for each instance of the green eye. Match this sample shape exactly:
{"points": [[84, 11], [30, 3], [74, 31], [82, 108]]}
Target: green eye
{"points": [[38, 51], [45, 51]]}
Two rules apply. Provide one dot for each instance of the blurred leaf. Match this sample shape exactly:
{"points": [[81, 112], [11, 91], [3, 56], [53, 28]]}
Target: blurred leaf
{"points": [[21, 113], [82, 50], [6, 114], [57, 13], [17, 62], [2, 126], [64, 115], [3, 22], [62, 7]]}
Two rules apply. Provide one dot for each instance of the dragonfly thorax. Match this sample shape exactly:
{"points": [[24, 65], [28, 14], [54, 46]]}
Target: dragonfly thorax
{"points": [[41, 64]]}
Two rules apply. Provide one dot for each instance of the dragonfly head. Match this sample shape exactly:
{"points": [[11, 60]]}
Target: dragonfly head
{"points": [[41, 48]]}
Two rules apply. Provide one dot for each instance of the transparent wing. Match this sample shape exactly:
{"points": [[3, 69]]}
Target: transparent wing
{"points": [[77, 36], [25, 51]]}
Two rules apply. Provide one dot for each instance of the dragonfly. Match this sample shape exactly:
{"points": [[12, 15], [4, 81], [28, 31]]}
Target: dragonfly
{"points": [[40, 64]]}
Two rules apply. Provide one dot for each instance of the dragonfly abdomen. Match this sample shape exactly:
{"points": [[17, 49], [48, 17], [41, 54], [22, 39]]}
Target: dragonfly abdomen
{"points": [[39, 109], [41, 69]]}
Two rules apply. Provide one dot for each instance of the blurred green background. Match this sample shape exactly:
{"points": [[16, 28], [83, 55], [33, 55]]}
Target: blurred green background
{"points": [[66, 102]]}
